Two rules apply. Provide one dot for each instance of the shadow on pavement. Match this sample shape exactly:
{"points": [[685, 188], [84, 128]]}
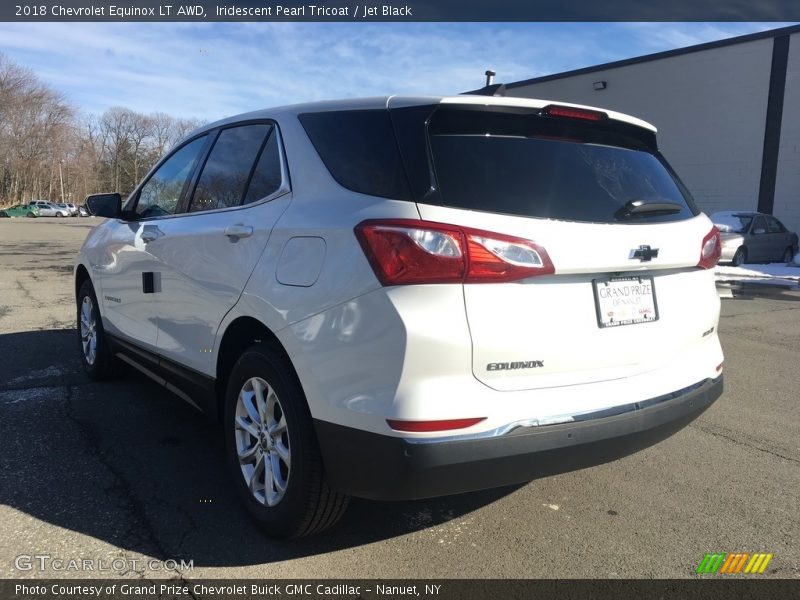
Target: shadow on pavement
{"points": [[130, 464]]}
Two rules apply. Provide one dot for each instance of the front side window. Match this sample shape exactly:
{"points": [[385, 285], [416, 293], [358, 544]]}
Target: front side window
{"points": [[227, 171], [162, 192], [759, 226]]}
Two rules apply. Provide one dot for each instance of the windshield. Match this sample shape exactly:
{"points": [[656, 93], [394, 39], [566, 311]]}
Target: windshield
{"points": [[728, 223]]}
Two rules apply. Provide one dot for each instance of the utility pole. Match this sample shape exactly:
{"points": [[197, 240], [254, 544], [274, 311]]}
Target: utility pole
{"points": [[61, 178]]}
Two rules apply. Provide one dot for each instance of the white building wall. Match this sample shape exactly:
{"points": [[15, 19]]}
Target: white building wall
{"points": [[787, 182], [709, 106]]}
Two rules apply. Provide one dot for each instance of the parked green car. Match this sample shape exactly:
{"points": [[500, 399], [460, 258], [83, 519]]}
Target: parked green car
{"points": [[20, 210]]}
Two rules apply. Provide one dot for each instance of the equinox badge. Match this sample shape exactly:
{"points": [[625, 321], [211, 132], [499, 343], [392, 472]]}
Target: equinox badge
{"points": [[508, 366]]}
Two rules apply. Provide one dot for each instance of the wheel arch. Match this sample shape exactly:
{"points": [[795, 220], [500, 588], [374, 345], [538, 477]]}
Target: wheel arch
{"points": [[81, 275], [239, 335]]}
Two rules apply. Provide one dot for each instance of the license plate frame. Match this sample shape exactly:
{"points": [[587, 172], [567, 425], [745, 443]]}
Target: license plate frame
{"points": [[604, 302]]}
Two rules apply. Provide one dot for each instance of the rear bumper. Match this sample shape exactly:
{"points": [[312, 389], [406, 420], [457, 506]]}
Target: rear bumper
{"points": [[369, 465]]}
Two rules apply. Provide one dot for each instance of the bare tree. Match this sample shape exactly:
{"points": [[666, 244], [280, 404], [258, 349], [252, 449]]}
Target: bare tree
{"points": [[34, 133], [44, 142]]}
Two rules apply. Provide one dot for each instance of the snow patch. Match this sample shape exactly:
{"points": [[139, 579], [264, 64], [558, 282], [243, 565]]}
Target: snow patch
{"points": [[39, 374], [28, 395], [552, 506], [770, 271]]}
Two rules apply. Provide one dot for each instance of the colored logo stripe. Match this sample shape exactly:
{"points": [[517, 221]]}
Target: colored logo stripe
{"points": [[734, 562], [710, 563], [758, 563]]}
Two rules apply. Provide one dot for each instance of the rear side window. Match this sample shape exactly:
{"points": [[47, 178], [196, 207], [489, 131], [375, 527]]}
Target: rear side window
{"points": [[774, 226], [526, 165], [227, 171], [267, 176], [359, 150]]}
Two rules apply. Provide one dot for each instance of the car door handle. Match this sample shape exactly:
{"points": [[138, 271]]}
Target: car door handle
{"points": [[151, 233], [238, 231]]}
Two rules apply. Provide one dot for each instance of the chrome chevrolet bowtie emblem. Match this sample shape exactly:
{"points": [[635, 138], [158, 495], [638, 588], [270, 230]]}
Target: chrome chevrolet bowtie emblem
{"points": [[644, 253]]}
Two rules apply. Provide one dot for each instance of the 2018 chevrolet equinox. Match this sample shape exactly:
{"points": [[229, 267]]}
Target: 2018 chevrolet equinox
{"points": [[407, 297]]}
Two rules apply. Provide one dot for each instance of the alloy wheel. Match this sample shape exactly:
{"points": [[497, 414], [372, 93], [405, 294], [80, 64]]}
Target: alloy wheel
{"points": [[262, 441], [88, 330]]}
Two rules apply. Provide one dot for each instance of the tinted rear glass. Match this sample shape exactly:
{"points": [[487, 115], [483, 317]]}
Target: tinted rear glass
{"points": [[267, 176], [499, 159], [359, 149], [526, 165]]}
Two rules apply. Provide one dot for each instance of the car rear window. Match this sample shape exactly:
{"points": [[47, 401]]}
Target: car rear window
{"points": [[527, 165]]}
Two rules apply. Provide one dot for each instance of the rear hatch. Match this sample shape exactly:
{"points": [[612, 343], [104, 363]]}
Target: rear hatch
{"points": [[622, 233]]}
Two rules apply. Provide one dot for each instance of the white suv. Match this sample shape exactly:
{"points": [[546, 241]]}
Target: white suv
{"points": [[398, 298]]}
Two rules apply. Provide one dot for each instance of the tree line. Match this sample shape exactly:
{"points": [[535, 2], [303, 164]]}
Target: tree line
{"points": [[49, 150]]}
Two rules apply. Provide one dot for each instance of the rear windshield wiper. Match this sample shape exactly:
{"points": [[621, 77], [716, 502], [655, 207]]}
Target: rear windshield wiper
{"points": [[643, 208]]}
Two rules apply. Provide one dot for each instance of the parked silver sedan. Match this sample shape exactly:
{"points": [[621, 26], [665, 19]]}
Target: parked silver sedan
{"points": [[752, 237]]}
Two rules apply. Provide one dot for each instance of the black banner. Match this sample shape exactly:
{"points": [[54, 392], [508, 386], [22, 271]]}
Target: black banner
{"points": [[400, 10], [393, 589]]}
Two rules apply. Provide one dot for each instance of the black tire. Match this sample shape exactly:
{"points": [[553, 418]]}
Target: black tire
{"points": [[740, 257], [59, 214], [3, 214], [30, 215], [307, 505], [105, 365], [788, 255]]}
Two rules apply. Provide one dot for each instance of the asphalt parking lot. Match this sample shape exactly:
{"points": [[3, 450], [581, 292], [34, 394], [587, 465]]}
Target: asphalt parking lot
{"points": [[123, 469]]}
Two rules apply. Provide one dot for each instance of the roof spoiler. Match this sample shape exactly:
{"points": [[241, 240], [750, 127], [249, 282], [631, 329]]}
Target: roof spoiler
{"points": [[496, 89]]}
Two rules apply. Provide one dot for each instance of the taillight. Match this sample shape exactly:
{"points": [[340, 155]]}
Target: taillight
{"points": [[427, 426], [710, 249], [404, 251], [569, 112]]}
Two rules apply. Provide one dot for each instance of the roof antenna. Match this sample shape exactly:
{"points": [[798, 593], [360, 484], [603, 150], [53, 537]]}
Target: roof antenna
{"points": [[491, 88]]}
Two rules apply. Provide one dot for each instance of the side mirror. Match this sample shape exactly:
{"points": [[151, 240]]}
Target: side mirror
{"points": [[104, 205], [759, 231]]}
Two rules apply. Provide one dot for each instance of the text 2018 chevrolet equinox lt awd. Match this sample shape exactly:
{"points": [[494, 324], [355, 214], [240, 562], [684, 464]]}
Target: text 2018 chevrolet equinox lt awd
{"points": [[407, 297]]}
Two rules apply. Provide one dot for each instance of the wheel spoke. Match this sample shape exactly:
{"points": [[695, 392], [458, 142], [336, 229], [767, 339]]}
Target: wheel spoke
{"points": [[272, 401], [277, 427], [283, 452], [258, 392], [244, 425], [258, 471], [86, 310], [246, 455], [247, 400], [277, 478], [269, 482]]}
